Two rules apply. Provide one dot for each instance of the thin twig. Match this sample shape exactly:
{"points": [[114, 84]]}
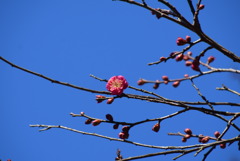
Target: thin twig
{"points": [[200, 94], [228, 89]]}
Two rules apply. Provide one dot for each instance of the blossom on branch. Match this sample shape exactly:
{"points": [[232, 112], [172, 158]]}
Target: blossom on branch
{"points": [[116, 85]]}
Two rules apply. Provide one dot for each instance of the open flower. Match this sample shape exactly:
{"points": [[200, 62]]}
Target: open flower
{"points": [[116, 85]]}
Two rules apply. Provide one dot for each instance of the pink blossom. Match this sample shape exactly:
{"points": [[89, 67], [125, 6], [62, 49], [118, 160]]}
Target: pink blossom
{"points": [[116, 85]]}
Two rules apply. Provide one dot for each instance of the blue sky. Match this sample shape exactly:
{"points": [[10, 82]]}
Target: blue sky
{"points": [[68, 40]]}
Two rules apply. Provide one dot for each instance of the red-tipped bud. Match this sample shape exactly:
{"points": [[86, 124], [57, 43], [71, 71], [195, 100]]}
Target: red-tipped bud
{"points": [[115, 126], [109, 117], [188, 131], [179, 57], [217, 134], [156, 127], [186, 75], [141, 82], [205, 139], [110, 100], [189, 53], [188, 39], [223, 146], [176, 84], [173, 54], [165, 82], [88, 121], [123, 135], [125, 128], [165, 78], [195, 67], [184, 139], [201, 6], [187, 136], [100, 98], [163, 59], [210, 59], [186, 57], [180, 41], [188, 63], [96, 122], [156, 85]]}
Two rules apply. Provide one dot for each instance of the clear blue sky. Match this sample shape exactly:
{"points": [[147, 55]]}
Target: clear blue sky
{"points": [[67, 41]]}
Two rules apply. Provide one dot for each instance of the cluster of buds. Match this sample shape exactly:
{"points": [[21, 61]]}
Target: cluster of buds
{"points": [[201, 138], [158, 15], [188, 134], [181, 41]]}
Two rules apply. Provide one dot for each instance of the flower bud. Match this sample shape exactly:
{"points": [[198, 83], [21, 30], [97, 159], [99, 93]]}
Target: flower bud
{"points": [[205, 139], [110, 100], [109, 117], [186, 75], [88, 121], [210, 59], [217, 134], [223, 145], [179, 57], [188, 131], [180, 41], [195, 67], [115, 126], [163, 59], [173, 54], [141, 82], [188, 63], [100, 98], [96, 122], [165, 78], [187, 136], [201, 6], [186, 57], [123, 135], [184, 139], [156, 85], [156, 127], [176, 84], [125, 128], [189, 53], [188, 39]]}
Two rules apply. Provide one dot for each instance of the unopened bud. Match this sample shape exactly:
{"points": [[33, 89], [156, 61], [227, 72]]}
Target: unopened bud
{"points": [[201, 6], [156, 127], [110, 100], [188, 39], [109, 117], [188, 131], [96, 122], [141, 82], [180, 41], [176, 84], [210, 59]]}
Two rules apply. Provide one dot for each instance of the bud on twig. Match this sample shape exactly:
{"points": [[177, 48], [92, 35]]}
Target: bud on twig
{"points": [[156, 127]]}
